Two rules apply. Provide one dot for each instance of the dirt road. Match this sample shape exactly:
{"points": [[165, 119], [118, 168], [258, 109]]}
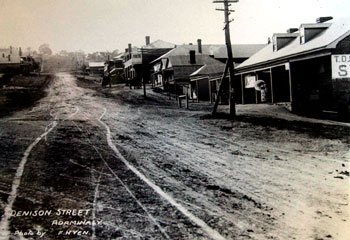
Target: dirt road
{"points": [[86, 163]]}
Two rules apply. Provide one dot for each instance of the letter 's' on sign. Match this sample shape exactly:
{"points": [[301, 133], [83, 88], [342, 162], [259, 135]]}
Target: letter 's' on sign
{"points": [[341, 66]]}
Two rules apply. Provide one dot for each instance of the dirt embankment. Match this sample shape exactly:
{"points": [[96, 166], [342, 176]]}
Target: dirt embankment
{"points": [[19, 92]]}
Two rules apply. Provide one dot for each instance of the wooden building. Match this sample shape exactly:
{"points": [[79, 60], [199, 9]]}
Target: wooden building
{"points": [[116, 69], [10, 60], [137, 60], [180, 70], [96, 68], [171, 71], [307, 68], [204, 82]]}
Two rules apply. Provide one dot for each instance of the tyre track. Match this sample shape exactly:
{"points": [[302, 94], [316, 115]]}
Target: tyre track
{"points": [[199, 222], [4, 223], [96, 191]]}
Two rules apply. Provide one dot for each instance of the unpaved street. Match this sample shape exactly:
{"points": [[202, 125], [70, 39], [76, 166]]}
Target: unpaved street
{"points": [[91, 163]]}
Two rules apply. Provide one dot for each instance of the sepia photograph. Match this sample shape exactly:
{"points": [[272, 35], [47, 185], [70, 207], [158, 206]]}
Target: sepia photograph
{"points": [[174, 119]]}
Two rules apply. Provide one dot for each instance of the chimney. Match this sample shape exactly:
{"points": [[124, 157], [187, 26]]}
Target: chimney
{"points": [[192, 57], [10, 49], [148, 40], [292, 30], [129, 48], [20, 52], [199, 41], [323, 19]]}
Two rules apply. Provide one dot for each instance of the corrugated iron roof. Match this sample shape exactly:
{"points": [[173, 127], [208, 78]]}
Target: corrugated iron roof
{"points": [[159, 44], [239, 50], [119, 56], [216, 50], [209, 69], [184, 60], [183, 72], [328, 39], [96, 64]]}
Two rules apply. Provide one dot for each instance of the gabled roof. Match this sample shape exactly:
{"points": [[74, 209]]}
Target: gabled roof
{"points": [[159, 44], [119, 56], [183, 73], [135, 49], [183, 50], [216, 50], [184, 60], [239, 50], [96, 64], [183, 68], [209, 69], [328, 39]]}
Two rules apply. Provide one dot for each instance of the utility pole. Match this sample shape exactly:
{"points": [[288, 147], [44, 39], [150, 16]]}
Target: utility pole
{"points": [[229, 63], [143, 63]]}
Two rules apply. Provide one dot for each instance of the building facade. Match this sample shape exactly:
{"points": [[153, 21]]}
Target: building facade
{"points": [[10, 60], [307, 68], [197, 68], [96, 68], [137, 68]]}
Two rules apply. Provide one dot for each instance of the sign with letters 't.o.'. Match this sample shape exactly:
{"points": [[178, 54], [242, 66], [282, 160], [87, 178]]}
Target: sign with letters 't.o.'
{"points": [[341, 66]]}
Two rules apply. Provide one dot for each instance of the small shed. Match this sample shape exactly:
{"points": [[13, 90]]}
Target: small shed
{"points": [[96, 68], [204, 81]]}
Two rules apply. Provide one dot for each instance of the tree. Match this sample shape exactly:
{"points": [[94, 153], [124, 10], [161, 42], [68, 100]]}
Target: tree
{"points": [[63, 53], [45, 49]]}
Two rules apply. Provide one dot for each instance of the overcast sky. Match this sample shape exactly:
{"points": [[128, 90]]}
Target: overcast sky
{"points": [[99, 25]]}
